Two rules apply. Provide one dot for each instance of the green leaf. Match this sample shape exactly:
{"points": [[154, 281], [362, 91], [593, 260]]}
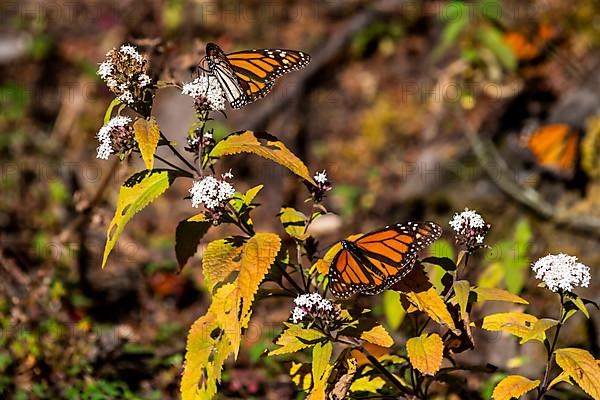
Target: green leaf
{"points": [[136, 193], [109, 110], [392, 309], [263, 145], [296, 338], [147, 135], [188, 234], [492, 39], [578, 303], [294, 222]]}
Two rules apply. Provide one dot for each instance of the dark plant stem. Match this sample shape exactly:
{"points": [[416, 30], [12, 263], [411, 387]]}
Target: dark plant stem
{"points": [[170, 164], [388, 375], [544, 387], [176, 153], [289, 278]]}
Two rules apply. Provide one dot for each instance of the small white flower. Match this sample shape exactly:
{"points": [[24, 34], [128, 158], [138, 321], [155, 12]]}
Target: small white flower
{"points": [[206, 86], [561, 272], [144, 80], [131, 51], [227, 175], [105, 69], [208, 135], [105, 149], [321, 177], [126, 98], [315, 306], [211, 192]]}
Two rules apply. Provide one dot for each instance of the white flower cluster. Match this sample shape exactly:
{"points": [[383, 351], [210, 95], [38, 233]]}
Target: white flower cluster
{"points": [[124, 73], [470, 229], [211, 192], [105, 137], [561, 272], [206, 87], [311, 303]]}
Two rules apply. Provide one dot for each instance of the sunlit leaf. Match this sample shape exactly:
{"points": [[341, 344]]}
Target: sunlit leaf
{"points": [[263, 145], [257, 257], [562, 377], [220, 259], [515, 323], [294, 222], [208, 346], [425, 352], [538, 330], [136, 193], [392, 309], [582, 368], [379, 336], [513, 386], [296, 338], [495, 294], [367, 384], [430, 302], [188, 234], [462, 290], [320, 370], [147, 135]]}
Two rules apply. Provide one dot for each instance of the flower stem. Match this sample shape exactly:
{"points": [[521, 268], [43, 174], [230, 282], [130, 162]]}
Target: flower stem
{"points": [[176, 153], [544, 387], [389, 376]]}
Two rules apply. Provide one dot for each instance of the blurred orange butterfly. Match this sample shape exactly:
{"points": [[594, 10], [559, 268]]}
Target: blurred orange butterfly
{"points": [[377, 260], [248, 75], [528, 46], [555, 148]]}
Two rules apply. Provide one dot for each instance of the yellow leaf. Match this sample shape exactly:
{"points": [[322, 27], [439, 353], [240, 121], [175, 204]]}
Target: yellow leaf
{"points": [[208, 346], [294, 222], [582, 367], [137, 192], [462, 290], [257, 257], [538, 330], [430, 302], [220, 258], [366, 384], [487, 294], [300, 376], [513, 386], [147, 134], [263, 145], [320, 370], [296, 338], [515, 323], [392, 308], [379, 336], [562, 377], [425, 352]]}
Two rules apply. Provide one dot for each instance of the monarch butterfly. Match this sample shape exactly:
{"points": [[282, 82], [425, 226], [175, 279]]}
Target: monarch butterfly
{"points": [[377, 260], [555, 148], [248, 75]]}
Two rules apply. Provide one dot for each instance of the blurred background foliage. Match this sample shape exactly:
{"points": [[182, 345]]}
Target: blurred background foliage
{"points": [[383, 112]]}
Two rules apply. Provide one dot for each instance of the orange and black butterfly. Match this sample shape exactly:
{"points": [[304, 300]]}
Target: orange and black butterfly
{"points": [[375, 261], [530, 45], [555, 147], [248, 75]]}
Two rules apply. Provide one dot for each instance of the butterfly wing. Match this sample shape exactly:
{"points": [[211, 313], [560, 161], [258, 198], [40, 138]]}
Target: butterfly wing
{"points": [[377, 260], [249, 75], [555, 147]]}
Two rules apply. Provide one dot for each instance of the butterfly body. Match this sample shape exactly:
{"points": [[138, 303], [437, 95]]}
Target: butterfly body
{"points": [[248, 75], [377, 260]]}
